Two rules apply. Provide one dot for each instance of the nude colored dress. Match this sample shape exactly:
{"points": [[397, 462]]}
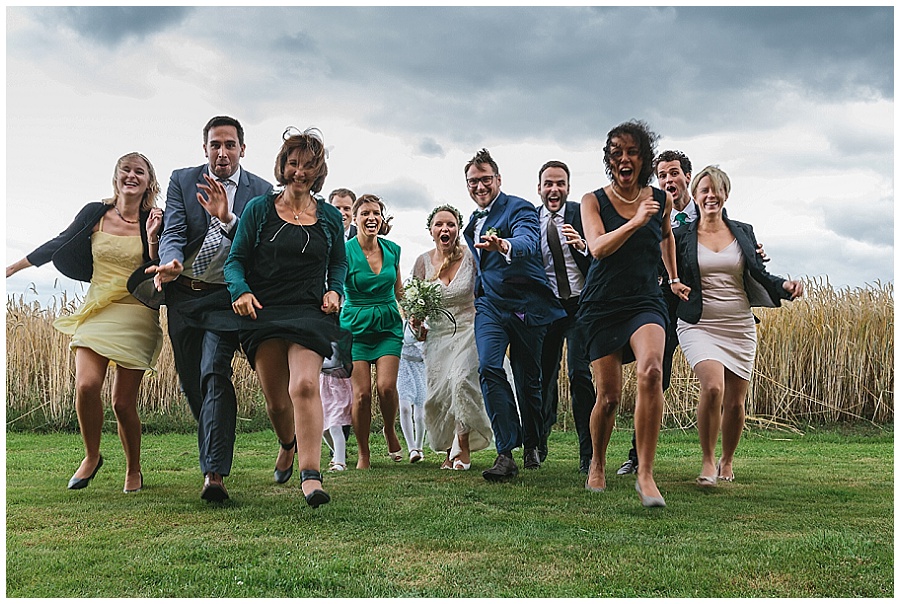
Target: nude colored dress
{"points": [[726, 331]]}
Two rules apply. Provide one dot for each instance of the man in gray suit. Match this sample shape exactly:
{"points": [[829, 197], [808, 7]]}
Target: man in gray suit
{"points": [[193, 247]]}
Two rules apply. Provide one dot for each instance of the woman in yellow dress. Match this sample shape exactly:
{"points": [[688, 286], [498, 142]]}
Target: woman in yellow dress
{"points": [[105, 243]]}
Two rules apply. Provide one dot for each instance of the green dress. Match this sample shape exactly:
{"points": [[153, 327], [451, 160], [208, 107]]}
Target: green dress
{"points": [[370, 308]]}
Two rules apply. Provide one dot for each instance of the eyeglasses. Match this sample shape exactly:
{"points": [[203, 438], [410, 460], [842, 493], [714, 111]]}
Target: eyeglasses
{"points": [[485, 180]]}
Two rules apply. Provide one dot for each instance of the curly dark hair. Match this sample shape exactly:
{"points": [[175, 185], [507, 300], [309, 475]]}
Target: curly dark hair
{"points": [[646, 141], [678, 156]]}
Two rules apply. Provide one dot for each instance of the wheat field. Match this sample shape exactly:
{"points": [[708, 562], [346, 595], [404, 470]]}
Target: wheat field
{"points": [[826, 358]]}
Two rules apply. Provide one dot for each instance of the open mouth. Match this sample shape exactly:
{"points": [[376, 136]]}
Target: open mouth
{"points": [[445, 238]]}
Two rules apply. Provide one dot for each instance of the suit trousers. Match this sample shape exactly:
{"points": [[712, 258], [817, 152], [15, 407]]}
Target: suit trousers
{"points": [[203, 362], [581, 385], [495, 330]]}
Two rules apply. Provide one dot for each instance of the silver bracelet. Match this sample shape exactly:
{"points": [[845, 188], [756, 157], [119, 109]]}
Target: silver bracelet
{"points": [[675, 280]]}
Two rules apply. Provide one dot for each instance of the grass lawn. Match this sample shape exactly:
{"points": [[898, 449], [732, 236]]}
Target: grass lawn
{"points": [[808, 515]]}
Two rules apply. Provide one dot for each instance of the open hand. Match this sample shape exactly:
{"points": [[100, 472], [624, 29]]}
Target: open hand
{"points": [[216, 201], [154, 223], [165, 273], [492, 243]]}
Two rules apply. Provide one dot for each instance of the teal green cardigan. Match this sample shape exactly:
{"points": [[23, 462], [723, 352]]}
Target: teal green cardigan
{"points": [[246, 238]]}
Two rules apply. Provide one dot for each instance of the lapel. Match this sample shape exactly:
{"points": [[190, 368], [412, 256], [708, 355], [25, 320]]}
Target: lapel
{"points": [[242, 194]]}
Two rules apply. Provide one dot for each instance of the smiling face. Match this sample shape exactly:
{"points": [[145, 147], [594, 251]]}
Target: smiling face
{"points": [[444, 231], [132, 177], [223, 150], [299, 171], [554, 188], [625, 161], [368, 218], [483, 184], [708, 198], [675, 181], [344, 204]]}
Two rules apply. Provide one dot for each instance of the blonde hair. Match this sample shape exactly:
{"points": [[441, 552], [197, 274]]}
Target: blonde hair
{"points": [[720, 182], [150, 195]]}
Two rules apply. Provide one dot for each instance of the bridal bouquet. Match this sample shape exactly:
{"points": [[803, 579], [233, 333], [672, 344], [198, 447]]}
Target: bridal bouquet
{"points": [[423, 300]]}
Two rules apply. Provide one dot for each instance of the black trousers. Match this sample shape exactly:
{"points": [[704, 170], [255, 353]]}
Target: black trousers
{"points": [[581, 386], [203, 361]]}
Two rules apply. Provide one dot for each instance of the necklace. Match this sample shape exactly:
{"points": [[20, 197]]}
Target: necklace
{"points": [[116, 208], [296, 214], [628, 201]]}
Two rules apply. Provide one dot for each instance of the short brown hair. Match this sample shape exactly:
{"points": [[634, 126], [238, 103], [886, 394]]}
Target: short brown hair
{"points": [[303, 142], [678, 156], [482, 157], [341, 193], [554, 164]]}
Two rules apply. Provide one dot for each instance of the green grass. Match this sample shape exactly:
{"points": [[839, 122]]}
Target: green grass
{"points": [[809, 515]]}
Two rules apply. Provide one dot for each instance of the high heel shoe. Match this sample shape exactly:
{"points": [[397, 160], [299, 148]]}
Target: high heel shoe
{"points": [[317, 497], [649, 502], [458, 464], [282, 476], [137, 489], [80, 483]]}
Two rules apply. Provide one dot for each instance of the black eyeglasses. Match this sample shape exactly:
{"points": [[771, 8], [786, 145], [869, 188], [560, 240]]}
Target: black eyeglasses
{"points": [[485, 180]]}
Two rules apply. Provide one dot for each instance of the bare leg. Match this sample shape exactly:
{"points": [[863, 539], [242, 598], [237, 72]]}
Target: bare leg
{"points": [[361, 412], [648, 343], [464, 455], [305, 366], [126, 386], [386, 369], [608, 374], [709, 411], [274, 379], [90, 371], [732, 420]]}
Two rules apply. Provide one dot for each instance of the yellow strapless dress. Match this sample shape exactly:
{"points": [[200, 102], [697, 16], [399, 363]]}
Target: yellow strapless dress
{"points": [[111, 322]]}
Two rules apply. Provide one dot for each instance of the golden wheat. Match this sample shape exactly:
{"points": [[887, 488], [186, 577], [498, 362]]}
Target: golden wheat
{"points": [[828, 357]]}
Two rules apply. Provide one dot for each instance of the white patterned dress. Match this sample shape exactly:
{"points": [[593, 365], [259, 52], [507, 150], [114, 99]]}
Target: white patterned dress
{"points": [[454, 402]]}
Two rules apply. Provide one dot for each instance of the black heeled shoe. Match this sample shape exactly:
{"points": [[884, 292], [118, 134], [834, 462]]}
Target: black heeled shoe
{"points": [[317, 497], [137, 490], [282, 476], [80, 483]]}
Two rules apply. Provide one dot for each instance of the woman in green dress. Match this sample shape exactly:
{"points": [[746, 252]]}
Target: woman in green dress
{"points": [[370, 312]]}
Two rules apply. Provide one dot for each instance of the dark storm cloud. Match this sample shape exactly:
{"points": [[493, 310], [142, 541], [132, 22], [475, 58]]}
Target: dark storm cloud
{"points": [[430, 148], [110, 25], [574, 72], [873, 226]]}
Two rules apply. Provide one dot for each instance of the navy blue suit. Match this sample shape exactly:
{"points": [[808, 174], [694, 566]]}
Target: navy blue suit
{"points": [[513, 307], [581, 385], [202, 358]]}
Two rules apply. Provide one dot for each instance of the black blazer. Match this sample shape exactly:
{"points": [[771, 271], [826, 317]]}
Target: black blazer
{"points": [[763, 289], [70, 251]]}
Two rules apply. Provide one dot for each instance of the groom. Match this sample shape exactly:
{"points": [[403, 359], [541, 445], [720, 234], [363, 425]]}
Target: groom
{"points": [[513, 307]]}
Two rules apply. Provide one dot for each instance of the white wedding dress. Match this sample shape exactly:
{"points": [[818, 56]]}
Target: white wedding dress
{"points": [[454, 403]]}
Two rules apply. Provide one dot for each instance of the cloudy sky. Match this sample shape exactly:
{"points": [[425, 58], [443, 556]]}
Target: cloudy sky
{"points": [[796, 104]]}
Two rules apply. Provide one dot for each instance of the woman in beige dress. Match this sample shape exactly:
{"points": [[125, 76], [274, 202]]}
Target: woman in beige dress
{"points": [[724, 276], [106, 242]]}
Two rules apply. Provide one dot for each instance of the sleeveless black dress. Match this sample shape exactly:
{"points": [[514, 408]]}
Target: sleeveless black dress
{"points": [[621, 292]]}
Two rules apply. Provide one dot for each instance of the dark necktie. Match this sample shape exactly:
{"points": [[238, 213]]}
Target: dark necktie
{"points": [[480, 214], [559, 262]]}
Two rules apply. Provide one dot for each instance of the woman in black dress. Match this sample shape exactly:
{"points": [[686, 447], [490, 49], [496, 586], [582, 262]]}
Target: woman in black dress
{"points": [[627, 230], [285, 273]]}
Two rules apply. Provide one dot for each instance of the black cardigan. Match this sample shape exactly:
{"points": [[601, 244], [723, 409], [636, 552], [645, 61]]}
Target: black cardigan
{"points": [[70, 251], [763, 289]]}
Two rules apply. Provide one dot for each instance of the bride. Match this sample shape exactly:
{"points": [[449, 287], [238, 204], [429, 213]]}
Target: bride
{"points": [[455, 419]]}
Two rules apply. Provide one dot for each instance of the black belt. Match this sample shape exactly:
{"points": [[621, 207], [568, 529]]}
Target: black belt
{"points": [[196, 285]]}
